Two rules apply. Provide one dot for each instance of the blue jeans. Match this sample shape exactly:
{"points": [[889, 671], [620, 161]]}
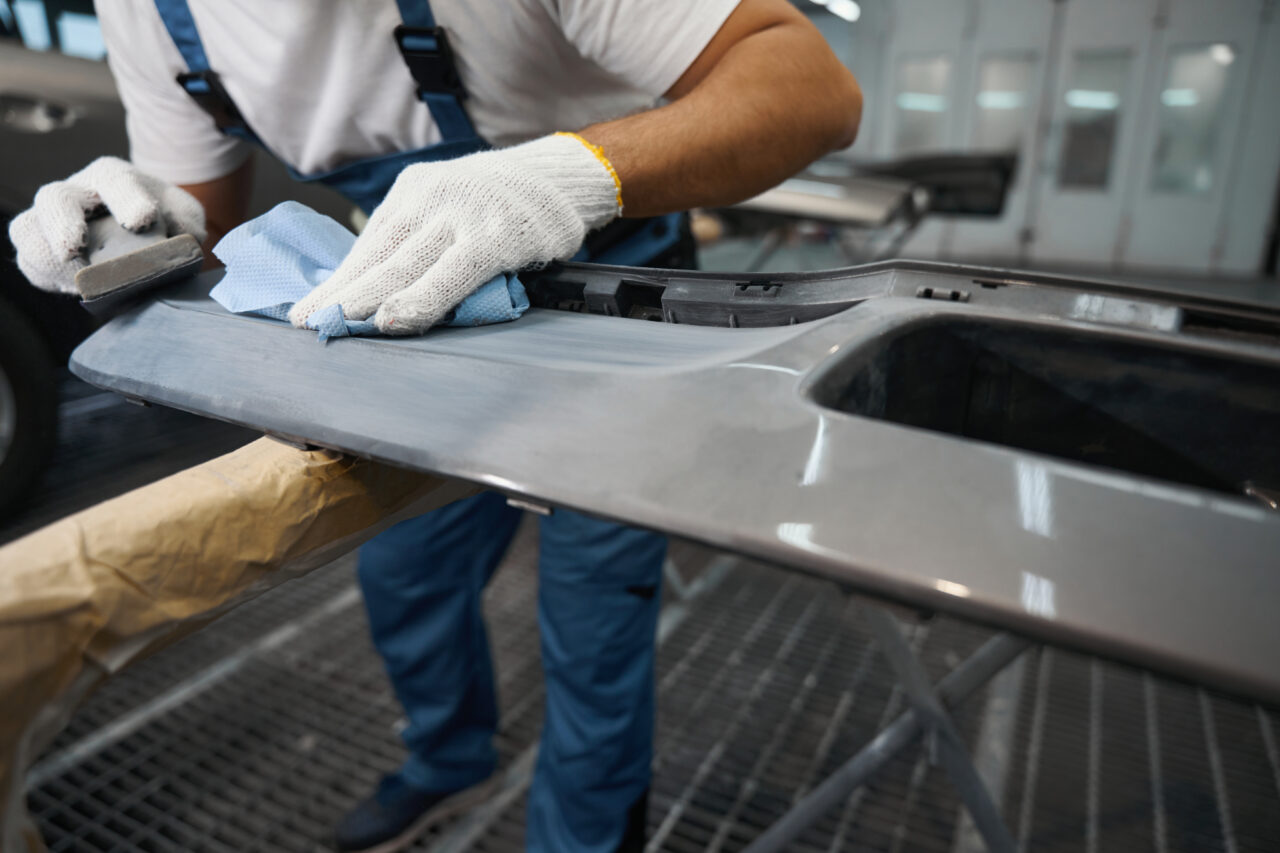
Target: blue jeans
{"points": [[598, 600]]}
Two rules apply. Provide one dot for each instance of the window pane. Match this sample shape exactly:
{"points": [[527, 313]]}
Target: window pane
{"points": [[921, 104], [1004, 84], [1190, 115], [1094, 104], [33, 25], [80, 35]]}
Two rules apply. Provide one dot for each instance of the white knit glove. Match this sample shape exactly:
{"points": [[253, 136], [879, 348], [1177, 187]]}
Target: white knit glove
{"points": [[50, 237], [446, 228]]}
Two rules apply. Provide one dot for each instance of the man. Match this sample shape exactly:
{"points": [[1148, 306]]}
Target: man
{"points": [[752, 95]]}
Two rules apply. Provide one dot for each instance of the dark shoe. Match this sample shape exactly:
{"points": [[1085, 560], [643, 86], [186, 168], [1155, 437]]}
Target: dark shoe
{"points": [[398, 813], [637, 826]]}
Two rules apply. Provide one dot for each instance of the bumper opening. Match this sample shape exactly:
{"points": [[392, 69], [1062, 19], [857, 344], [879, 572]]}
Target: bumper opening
{"points": [[1158, 410]]}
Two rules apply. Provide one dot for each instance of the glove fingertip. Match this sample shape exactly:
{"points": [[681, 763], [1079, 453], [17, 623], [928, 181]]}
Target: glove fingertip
{"points": [[66, 238], [298, 315], [394, 319], [138, 215], [19, 222], [309, 304], [385, 320]]}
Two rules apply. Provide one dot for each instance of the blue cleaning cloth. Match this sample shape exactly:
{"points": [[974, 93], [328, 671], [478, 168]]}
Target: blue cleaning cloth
{"points": [[278, 258]]}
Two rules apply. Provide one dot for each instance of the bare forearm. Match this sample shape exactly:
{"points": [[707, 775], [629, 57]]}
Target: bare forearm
{"points": [[776, 100], [226, 204]]}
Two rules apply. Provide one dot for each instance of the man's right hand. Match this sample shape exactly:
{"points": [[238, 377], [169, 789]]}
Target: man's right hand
{"points": [[51, 236]]}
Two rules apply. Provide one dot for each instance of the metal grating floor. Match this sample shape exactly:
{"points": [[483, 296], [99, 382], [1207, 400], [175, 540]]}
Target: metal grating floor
{"points": [[1114, 759], [258, 732]]}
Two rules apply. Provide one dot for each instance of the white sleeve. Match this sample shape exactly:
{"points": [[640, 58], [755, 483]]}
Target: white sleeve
{"points": [[648, 43], [170, 136]]}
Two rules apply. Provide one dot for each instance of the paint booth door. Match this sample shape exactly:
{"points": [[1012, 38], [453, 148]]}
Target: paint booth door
{"points": [[1196, 180], [1002, 78], [1146, 129], [1094, 113], [921, 113]]}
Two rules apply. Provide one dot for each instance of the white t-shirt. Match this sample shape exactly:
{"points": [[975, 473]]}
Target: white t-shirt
{"points": [[322, 82]]}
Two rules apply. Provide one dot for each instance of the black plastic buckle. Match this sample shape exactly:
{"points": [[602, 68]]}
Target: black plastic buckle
{"points": [[205, 88], [430, 59]]}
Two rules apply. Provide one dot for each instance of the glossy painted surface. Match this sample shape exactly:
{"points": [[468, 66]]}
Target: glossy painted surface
{"points": [[711, 433]]}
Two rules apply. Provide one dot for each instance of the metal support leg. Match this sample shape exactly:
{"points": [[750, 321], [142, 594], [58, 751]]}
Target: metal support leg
{"points": [[954, 688], [673, 580], [951, 751], [771, 243], [893, 245]]}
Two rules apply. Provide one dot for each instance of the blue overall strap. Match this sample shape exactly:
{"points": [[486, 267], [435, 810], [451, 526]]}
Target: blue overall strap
{"points": [[425, 48], [176, 15], [417, 13], [200, 81]]}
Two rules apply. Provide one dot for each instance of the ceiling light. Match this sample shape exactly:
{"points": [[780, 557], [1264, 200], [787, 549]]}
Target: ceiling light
{"points": [[1179, 97], [1092, 99], [846, 9]]}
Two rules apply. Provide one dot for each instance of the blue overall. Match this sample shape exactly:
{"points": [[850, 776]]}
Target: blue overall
{"points": [[599, 582]]}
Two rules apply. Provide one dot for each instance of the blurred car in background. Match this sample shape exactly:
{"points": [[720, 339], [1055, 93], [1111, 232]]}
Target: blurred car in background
{"points": [[59, 109]]}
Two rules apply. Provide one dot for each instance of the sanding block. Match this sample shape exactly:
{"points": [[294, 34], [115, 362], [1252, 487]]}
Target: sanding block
{"points": [[124, 265]]}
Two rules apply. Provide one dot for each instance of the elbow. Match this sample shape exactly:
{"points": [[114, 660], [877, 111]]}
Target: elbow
{"points": [[845, 111]]}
